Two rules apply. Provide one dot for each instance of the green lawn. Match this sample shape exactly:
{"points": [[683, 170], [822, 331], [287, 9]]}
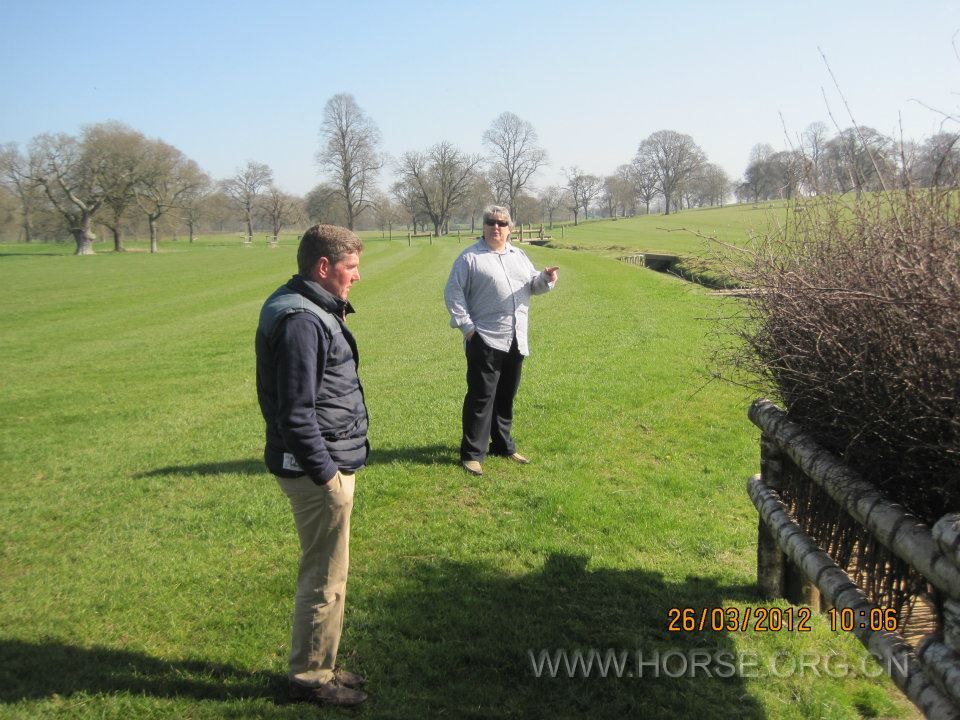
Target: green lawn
{"points": [[680, 233], [149, 561]]}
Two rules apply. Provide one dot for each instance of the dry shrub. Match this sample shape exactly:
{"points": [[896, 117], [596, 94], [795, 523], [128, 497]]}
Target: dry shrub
{"points": [[853, 324], [855, 327]]}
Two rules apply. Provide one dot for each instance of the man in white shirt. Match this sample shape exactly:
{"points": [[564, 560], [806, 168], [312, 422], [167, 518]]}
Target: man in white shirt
{"points": [[488, 296]]}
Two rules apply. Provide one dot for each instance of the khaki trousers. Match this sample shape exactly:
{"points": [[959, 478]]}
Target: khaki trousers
{"points": [[322, 516]]}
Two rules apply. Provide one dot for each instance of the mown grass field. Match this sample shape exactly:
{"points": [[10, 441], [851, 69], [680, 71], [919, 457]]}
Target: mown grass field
{"points": [[149, 561], [680, 233]]}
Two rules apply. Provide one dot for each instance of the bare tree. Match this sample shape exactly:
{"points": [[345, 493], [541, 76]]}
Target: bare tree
{"points": [[644, 182], [321, 205], [218, 209], [717, 184], [813, 144], [551, 199], [280, 208], [528, 207], [608, 195], [349, 142], [672, 158], [386, 212], [514, 154], [440, 180], [788, 170], [759, 182], [125, 165], [624, 190], [245, 187], [195, 205], [11, 216], [14, 175], [711, 186], [76, 176], [860, 159], [575, 177], [583, 189], [938, 161], [498, 187], [168, 179], [478, 197], [406, 194]]}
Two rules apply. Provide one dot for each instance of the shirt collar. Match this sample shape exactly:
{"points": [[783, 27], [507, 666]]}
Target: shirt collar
{"points": [[508, 248]]}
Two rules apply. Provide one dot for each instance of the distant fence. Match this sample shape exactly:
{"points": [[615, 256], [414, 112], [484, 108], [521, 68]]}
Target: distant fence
{"points": [[791, 565], [530, 234], [654, 261], [533, 234]]}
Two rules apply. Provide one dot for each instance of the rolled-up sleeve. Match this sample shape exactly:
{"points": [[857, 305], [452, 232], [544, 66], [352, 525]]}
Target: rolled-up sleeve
{"points": [[539, 285]]}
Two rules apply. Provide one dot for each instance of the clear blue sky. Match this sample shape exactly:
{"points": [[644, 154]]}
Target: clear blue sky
{"points": [[231, 81]]}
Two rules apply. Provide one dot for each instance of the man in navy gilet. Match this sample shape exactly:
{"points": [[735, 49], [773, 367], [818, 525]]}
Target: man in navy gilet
{"points": [[312, 401]]}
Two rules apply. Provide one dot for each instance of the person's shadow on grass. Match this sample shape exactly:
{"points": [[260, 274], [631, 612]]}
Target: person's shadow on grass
{"points": [[437, 454], [54, 670], [458, 640]]}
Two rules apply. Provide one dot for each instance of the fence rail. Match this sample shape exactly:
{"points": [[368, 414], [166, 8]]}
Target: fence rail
{"points": [[791, 565]]}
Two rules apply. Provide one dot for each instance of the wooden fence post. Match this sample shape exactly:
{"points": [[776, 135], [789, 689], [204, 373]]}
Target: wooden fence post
{"points": [[771, 560], [946, 533], [777, 576]]}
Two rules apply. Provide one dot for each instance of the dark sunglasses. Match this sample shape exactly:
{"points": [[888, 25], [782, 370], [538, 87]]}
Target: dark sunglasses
{"points": [[500, 223]]}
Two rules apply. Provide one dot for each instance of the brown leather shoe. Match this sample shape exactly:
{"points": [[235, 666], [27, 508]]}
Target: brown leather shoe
{"points": [[348, 679], [518, 458], [472, 467], [331, 693]]}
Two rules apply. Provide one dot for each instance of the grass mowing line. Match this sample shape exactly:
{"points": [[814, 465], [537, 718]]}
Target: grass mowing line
{"points": [[150, 559]]}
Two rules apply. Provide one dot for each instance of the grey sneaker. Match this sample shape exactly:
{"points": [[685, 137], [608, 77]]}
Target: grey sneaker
{"points": [[331, 693], [472, 467], [518, 458]]}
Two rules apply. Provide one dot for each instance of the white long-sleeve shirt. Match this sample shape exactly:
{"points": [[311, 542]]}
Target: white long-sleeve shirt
{"points": [[489, 292]]}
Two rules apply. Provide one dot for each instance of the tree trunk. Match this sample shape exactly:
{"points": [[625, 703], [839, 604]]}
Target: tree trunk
{"points": [[117, 239], [190, 228], [153, 233], [82, 237], [574, 217], [249, 227]]}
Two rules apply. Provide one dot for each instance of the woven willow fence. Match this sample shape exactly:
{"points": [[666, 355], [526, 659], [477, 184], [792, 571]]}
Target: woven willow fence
{"points": [[791, 565]]}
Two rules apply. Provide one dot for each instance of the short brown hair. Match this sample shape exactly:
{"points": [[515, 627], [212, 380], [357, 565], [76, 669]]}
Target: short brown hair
{"points": [[329, 241]]}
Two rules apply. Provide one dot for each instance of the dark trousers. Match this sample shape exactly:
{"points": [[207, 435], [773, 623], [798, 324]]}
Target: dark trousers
{"points": [[493, 377]]}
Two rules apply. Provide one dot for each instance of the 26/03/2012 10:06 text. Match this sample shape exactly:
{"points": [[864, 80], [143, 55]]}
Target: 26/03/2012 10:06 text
{"points": [[774, 619]]}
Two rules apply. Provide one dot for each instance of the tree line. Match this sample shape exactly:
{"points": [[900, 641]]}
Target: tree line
{"points": [[114, 178], [856, 159]]}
